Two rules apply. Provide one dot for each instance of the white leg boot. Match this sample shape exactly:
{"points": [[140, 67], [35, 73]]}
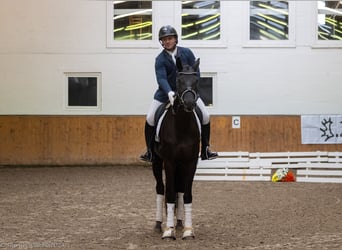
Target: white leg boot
{"points": [[169, 232], [159, 213], [188, 230]]}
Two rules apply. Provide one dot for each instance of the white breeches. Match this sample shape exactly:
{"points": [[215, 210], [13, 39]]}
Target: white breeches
{"points": [[155, 104]]}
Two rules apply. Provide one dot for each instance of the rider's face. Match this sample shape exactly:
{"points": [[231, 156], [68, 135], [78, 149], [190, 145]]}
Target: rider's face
{"points": [[169, 42]]}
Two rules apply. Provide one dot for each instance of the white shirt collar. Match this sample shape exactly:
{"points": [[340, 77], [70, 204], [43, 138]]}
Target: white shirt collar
{"points": [[173, 54]]}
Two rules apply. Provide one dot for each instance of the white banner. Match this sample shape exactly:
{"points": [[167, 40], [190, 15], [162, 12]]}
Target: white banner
{"points": [[321, 129]]}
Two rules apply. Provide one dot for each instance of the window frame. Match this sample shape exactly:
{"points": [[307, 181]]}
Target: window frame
{"points": [[291, 42], [315, 42], [96, 75]]}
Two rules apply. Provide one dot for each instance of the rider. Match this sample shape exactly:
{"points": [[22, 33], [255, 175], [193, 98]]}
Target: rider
{"points": [[166, 72]]}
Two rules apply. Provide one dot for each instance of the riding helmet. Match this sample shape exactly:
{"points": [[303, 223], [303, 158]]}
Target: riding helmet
{"points": [[167, 30]]}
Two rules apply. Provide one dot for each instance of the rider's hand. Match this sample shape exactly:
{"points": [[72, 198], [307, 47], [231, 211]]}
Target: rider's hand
{"points": [[171, 95]]}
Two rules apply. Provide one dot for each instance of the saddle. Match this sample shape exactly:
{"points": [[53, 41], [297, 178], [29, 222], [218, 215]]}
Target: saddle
{"points": [[161, 112]]}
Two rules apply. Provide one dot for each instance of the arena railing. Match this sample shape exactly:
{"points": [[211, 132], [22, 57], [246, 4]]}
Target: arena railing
{"points": [[315, 166]]}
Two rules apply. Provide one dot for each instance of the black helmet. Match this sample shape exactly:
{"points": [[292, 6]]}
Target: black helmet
{"points": [[167, 30]]}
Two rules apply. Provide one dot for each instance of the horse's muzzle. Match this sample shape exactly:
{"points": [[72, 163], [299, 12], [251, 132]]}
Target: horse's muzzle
{"points": [[188, 99]]}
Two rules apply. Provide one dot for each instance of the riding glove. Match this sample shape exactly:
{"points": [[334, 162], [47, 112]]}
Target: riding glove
{"points": [[171, 95]]}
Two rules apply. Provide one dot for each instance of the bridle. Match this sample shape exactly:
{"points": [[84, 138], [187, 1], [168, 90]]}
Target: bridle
{"points": [[187, 90]]}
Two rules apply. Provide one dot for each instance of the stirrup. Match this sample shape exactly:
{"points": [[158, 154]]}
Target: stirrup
{"points": [[146, 157], [208, 155]]}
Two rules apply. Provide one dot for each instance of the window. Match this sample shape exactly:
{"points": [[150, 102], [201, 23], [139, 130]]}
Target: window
{"points": [[135, 24], [132, 20], [205, 90], [271, 23], [269, 20], [201, 20], [83, 90], [329, 20], [129, 23]]}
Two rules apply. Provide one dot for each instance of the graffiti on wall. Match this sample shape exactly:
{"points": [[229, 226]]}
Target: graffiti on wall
{"points": [[321, 129]]}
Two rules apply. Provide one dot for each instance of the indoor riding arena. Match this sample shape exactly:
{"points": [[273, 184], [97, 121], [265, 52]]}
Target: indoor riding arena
{"points": [[77, 79], [113, 207]]}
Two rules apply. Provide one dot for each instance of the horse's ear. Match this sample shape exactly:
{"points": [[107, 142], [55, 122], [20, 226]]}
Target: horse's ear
{"points": [[196, 64], [179, 64]]}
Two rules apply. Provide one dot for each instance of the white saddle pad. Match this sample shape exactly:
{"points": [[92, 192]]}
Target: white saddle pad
{"points": [[157, 138]]}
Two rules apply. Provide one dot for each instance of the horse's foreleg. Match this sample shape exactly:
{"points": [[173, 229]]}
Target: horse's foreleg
{"points": [[169, 232], [170, 213], [157, 167], [188, 215], [188, 232]]}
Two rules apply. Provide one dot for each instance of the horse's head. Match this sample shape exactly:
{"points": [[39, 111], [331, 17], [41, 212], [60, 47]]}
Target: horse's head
{"points": [[187, 85]]}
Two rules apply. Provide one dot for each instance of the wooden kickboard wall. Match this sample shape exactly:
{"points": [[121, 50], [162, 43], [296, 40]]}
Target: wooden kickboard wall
{"points": [[107, 140]]}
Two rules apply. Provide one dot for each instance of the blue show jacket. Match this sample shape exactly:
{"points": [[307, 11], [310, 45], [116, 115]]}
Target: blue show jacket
{"points": [[166, 71]]}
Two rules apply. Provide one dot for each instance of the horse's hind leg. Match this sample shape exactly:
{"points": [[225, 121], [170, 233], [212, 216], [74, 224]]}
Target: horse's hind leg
{"points": [[189, 174], [159, 213], [157, 167], [180, 211], [179, 185]]}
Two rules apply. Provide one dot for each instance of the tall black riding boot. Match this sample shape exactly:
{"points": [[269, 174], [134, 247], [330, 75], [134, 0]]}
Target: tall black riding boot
{"points": [[149, 139], [206, 154]]}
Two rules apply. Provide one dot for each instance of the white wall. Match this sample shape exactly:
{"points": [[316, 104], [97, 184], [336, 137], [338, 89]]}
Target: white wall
{"points": [[42, 39]]}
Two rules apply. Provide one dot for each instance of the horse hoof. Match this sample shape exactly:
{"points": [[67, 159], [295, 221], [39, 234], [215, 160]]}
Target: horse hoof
{"points": [[179, 225], [169, 234], [188, 234], [158, 227]]}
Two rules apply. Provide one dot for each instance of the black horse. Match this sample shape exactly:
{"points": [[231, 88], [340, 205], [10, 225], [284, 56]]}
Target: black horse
{"points": [[178, 149]]}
